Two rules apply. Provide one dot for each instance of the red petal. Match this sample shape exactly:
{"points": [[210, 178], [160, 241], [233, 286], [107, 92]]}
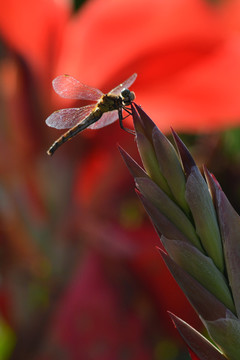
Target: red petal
{"points": [[186, 54]]}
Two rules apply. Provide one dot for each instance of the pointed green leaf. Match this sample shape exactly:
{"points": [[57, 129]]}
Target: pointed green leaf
{"points": [[170, 167], [186, 157], [200, 203], [168, 208], [133, 167], [226, 334], [162, 223], [202, 268], [150, 162], [137, 121], [213, 185], [146, 122], [206, 304], [195, 341], [229, 222]]}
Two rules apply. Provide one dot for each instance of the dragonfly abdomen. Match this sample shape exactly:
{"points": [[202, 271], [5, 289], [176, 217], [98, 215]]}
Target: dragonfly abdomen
{"points": [[90, 119]]}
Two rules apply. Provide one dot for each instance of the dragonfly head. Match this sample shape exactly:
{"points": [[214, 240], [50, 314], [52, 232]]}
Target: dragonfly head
{"points": [[127, 96]]}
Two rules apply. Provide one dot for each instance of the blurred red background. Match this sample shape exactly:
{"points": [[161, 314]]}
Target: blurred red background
{"points": [[80, 275]]}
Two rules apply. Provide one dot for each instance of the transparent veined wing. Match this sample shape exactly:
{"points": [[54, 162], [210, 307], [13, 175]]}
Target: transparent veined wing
{"points": [[106, 119], [67, 118], [125, 85], [68, 87]]}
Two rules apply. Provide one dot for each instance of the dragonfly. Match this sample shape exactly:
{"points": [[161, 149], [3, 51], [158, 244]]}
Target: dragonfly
{"points": [[106, 109]]}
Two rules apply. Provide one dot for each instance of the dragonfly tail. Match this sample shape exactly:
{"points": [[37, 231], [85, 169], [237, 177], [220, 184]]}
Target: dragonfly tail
{"points": [[72, 132]]}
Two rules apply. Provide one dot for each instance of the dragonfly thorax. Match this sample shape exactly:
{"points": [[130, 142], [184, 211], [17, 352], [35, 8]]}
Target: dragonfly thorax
{"points": [[127, 96], [109, 103]]}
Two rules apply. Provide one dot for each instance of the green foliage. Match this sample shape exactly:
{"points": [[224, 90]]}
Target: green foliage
{"points": [[7, 340], [199, 230]]}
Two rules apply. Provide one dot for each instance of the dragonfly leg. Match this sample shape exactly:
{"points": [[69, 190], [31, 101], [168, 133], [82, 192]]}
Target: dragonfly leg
{"points": [[121, 118], [128, 111]]}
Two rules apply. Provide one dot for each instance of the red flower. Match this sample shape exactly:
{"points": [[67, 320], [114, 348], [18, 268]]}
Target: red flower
{"points": [[34, 30], [186, 54]]}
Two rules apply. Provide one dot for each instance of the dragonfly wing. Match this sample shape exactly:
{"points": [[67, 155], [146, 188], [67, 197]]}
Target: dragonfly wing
{"points": [[125, 85], [106, 119], [67, 118], [68, 87]]}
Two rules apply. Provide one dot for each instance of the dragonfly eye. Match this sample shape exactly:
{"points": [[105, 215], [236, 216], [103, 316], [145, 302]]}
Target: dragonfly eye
{"points": [[127, 96], [125, 93]]}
